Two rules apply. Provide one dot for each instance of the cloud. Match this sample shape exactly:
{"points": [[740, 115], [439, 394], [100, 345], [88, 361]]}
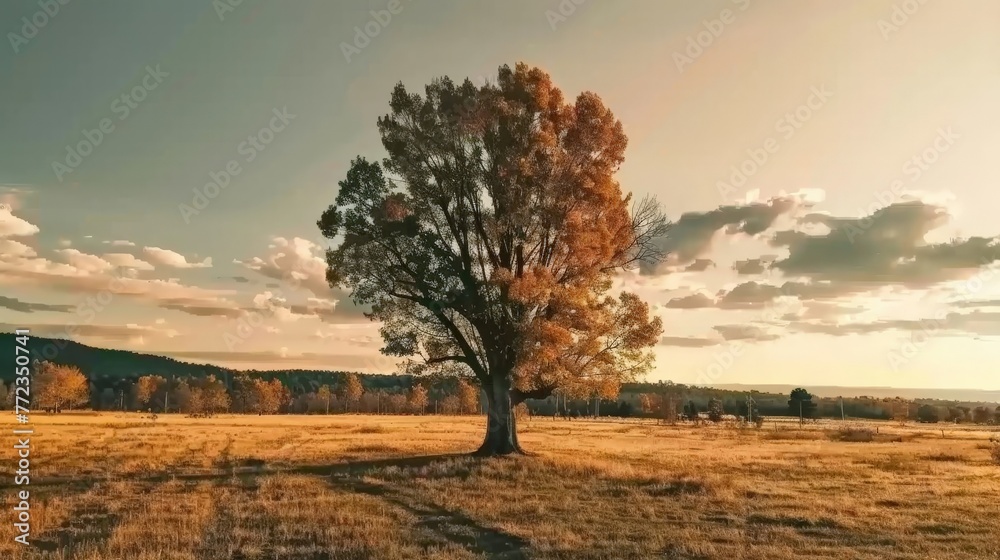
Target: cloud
{"points": [[693, 301], [354, 362], [173, 259], [756, 295], [130, 332], [699, 265], [689, 342], [126, 260], [978, 323], [693, 234], [323, 309], [12, 226], [978, 303], [275, 306], [744, 332], [822, 310], [15, 304], [752, 266], [94, 275], [85, 262], [120, 243], [887, 247], [297, 263], [14, 250], [203, 308], [293, 261]]}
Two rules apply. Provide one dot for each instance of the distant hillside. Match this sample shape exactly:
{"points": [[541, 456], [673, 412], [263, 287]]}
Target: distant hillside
{"points": [[105, 366]]}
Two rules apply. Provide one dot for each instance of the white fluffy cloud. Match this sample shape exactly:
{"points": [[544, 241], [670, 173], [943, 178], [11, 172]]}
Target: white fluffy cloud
{"points": [[174, 259], [12, 226], [10, 250], [126, 260], [85, 262], [296, 261]]}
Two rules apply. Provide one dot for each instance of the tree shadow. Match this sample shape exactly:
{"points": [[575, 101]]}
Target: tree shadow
{"points": [[450, 525], [251, 467]]}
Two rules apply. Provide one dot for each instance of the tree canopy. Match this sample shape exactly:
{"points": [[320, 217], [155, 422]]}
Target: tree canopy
{"points": [[487, 242]]}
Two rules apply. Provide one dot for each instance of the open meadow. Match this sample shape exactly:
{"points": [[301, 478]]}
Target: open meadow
{"points": [[107, 486]]}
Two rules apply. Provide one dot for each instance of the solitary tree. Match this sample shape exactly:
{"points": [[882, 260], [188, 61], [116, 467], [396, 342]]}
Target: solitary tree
{"points": [[801, 403], [487, 241]]}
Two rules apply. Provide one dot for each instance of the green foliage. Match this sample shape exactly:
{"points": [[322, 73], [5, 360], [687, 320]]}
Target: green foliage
{"points": [[715, 410], [801, 402], [691, 411], [928, 414]]}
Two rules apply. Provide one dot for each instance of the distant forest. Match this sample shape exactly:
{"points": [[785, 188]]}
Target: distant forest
{"points": [[114, 379]]}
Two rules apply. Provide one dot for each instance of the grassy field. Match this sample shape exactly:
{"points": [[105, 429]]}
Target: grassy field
{"points": [[352, 487]]}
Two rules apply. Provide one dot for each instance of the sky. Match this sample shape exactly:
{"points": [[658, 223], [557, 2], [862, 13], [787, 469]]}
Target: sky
{"points": [[830, 167]]}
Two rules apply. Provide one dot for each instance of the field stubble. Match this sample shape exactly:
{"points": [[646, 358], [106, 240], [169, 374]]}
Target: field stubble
{"points": [[390, 488]]}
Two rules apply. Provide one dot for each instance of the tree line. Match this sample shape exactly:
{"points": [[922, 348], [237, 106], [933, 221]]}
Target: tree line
{"points": [[672, 402], [57, 387]]}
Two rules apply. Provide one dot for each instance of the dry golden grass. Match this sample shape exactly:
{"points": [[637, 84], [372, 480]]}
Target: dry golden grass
{"points": [[355, 487]]}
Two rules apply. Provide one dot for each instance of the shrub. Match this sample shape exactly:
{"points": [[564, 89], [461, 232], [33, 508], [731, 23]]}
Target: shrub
{"points": [[995, 451], [856, 434]]}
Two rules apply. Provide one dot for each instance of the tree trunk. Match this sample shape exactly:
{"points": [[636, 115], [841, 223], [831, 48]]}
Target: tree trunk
{"points": [[501, 425]]}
